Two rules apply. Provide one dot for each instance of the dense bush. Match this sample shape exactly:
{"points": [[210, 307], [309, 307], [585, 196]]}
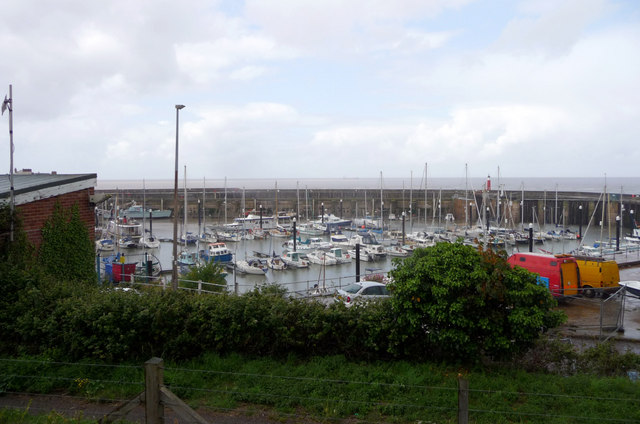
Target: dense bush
{"points": [[66, 321], [467, 303]]}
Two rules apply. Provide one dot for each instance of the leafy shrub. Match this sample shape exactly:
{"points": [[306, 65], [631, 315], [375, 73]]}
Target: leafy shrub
{"points": [[458, 302]]}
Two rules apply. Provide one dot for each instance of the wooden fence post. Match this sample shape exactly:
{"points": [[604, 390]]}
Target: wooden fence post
{"points": [[154, 409], [463, 400]]}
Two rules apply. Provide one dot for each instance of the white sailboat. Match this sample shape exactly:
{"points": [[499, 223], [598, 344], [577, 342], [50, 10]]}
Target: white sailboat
{"points": [[150, 241]]}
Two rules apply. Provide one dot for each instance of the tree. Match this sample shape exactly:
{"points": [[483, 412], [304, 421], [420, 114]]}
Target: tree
{"points": [[211, 272], [66, 251], [461, 303]]}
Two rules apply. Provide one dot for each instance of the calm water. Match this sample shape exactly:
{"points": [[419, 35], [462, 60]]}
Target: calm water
{"points": [[303, 279], [624, 185]]}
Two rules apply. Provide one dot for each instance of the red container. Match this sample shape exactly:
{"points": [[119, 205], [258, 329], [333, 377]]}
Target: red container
{"points": [[123, 272]]}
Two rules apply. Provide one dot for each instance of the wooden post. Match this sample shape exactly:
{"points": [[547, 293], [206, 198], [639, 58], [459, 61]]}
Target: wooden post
{"points": [[463, 401], [153, 380]]}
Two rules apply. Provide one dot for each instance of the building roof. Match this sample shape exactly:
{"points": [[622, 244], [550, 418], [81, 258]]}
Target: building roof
{"points": [[34, 186]]}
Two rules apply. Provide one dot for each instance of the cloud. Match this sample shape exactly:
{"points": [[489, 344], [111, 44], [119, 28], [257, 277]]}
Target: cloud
{"points": [[338, 27], [549, 27], [208, 61]]}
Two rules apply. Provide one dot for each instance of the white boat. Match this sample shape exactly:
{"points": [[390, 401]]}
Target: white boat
{"points": [[280, 231], [339, 239], [208, 237], [364, 256], [320, 257], [129, 242], [276, 263], [397, 251], [330, 223], [299, 244], [341, 257], [295, 259], [318, 243], [124, 228], [188, 238], [150, 242], [375, 251], [632, 287], [251, 266], [310, 229], [228, 236], [105, 245]]}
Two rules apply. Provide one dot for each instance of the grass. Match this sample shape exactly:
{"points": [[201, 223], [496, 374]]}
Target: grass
{"points": [[333, 388]]}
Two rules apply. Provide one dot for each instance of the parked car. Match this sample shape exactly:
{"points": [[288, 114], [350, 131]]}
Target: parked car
{"points": [[363, 291]]}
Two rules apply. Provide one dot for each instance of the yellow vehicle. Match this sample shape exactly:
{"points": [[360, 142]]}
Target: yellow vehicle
{"points": [[598, 276]]}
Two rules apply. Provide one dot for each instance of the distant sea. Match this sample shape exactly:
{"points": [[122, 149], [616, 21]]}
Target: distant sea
{"points": [[624, 185]]}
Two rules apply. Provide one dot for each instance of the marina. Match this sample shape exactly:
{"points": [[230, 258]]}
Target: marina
{"points": [[330, 276]]}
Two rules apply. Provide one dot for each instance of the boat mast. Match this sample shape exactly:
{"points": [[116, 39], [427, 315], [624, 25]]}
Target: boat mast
{"points": [[184, 218], [411, 203], [298, 199], [440, 208], [555, 215], [498, 200], [522, 206], [225, 200], [466, 196], [144, 214], [425, 195], [306, 203], [381, 205], [204, 208]]}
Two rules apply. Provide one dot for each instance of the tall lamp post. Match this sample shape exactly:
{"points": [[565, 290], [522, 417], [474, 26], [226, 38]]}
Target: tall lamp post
{"points": [[174, 274], [580, 224]]}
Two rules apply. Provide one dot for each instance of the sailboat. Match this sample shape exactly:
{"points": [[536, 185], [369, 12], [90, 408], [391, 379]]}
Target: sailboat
{"points": [[186, 258], [148, 242]]}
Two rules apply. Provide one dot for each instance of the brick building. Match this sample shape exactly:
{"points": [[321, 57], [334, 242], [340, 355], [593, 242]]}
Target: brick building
{"points": [[36, 195]]}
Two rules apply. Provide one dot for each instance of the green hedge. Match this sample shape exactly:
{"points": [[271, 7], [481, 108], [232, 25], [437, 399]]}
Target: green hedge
{"points": [[71, 322]]}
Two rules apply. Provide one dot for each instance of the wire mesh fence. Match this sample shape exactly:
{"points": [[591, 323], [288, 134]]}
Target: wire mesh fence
{"points": [[94, 388]]}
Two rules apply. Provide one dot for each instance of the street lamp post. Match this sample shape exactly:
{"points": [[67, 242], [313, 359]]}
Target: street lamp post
{"points": [[174, 274], [340, 208], [294, 234], [530, 237], [261, 217], [322, 216], [580, 224]]}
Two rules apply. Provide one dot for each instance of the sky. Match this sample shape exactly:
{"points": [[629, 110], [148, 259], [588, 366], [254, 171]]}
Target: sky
{"points": [[322, 89]]}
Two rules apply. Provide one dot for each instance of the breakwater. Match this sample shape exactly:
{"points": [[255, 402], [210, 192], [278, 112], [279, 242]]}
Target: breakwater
{"points": [[510, 207]]}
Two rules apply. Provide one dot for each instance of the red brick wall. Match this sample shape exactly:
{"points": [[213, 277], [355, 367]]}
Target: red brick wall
{"points": [[35, 214]]}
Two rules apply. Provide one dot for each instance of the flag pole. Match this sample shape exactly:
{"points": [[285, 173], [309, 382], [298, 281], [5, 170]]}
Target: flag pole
{"points": [[13, 200], [8, 104]]}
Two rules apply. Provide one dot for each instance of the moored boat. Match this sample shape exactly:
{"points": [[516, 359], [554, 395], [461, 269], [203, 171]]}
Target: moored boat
{"points": [[632, 287], [216, 252], [136, 211]]}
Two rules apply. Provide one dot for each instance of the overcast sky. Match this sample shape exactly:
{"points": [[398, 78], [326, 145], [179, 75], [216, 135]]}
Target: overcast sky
{"points": [[323, 89]]}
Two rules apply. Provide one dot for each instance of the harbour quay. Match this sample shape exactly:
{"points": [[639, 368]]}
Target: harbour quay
{"points": [[507, 208]]}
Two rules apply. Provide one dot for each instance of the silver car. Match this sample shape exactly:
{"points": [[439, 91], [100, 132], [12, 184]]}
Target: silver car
{"points": [[362, 291]]}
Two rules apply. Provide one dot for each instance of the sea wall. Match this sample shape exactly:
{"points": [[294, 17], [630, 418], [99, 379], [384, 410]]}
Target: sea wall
{"points": [[512, 207]]}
